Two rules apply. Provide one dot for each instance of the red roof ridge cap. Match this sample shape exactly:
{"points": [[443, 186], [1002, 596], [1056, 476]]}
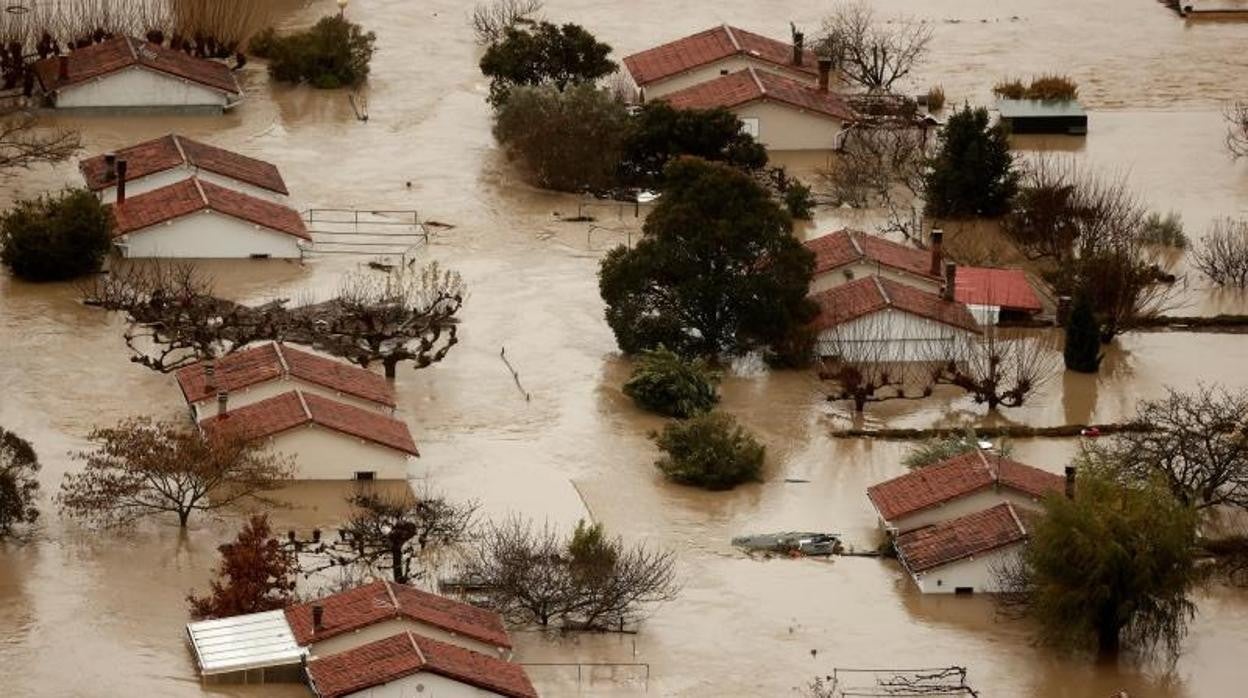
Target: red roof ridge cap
{"points": [[1014, 515], [733, 38], [853, 240], [394, 600], [754, 74], [412, 639], [130, 45], [883, 293], [281, 358], [177, 143], [304, 404], [200, 188]]}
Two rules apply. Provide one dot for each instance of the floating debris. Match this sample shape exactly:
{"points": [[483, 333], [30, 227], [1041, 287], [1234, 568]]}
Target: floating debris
{"points": [[792, 543]]}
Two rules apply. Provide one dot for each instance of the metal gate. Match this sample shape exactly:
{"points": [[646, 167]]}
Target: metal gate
{"points": [[374, 233]]}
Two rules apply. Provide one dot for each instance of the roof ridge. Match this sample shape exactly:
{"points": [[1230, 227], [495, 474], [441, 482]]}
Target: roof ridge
{"points": [[733, 38], [177, 143], [879, 285], [394, 600], [281, 358], [130, 45], [1014, 515], [853, 240], [304, 404], [411, 637], [754, 74], [200, 188]]}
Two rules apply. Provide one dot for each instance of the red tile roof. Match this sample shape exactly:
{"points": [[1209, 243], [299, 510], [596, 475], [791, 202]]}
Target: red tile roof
{"points": [[274, 361], [955, 478], [676, 57], [872, 294], [381, 601], [123, 52], [956, 539], [289, 410], [405, 654], [168, 152], [191, 195], [750, 85], [846, 246], [1007, 288]]}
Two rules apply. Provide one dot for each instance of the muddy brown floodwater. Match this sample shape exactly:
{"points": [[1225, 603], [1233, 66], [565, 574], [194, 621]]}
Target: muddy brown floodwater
{"points": [[92, 615]]}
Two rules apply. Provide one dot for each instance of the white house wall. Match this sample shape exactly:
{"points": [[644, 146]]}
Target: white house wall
{"points": [[977, 501], [724, 66], [836, 277], [138, 87], [392, 627], [325, 454], [424, 685], [208, 235], [889, 336], [782, 127], [263, 391], [976, 573], [164, 178]]}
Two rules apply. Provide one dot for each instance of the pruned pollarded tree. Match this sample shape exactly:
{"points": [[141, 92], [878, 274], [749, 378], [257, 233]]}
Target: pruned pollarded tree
{"points": [[1000, 368], [256, 574], [1237, 128], [397, 534], [175, 317], [1223, 253], [865, 365], [870, 52], [141, 467], [23, 144]]}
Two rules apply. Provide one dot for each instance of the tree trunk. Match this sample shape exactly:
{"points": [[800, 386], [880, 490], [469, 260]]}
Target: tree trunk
{"points": [[183, 515], [390, 366], [396, 560], [1108, 641]]}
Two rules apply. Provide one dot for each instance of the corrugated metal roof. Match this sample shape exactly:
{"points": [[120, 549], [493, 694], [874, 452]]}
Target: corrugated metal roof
{"points": [[1015, 108], [238, 643]]}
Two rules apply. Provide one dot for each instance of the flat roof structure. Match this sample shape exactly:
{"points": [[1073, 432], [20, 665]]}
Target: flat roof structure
{"points": [[242, 643]]}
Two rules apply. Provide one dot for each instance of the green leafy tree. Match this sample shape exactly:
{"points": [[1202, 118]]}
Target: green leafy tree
{"points": [[1111, 567], [333, 53], [670, 385], [1083, 338], [56, 237], [710, 451], [256, 574], [973, 172], [544, 54], [569, 140], [661, 133], [717, 270], [19, 487]]}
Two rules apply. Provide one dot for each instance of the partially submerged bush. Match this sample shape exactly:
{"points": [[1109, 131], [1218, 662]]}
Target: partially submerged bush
{"points": [[1223, 253], [333, 53], [665, 383], [1010, 89], [56, 237], [799, 201], [1045, 87], [934, 450], [263, 43], [1164, 230], [710, 451], [936, 98]]}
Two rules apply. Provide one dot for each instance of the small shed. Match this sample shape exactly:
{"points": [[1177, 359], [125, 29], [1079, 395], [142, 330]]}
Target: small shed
{"points": [[1025, 116], [252, 648], [996, 295]]}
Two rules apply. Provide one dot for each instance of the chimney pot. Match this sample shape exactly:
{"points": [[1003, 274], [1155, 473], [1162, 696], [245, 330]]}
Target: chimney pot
{"points": [[121, 180], [951, 280], [825, 72], [223, 402], [799, 44], [318, 616], [1070, 482], [62, 68], [938, 251]]}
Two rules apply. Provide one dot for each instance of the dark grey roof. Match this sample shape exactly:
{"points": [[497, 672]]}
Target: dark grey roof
{"points": [[1013, 108]]}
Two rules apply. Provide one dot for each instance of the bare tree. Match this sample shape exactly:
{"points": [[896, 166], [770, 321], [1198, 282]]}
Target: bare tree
{"points": [[142, 467], [402, 535], [490, 20], [1223, 253], [583, 581], [23, 144], [999, 368], [866, 364], [881, 166], [872, 53], [1237, 128]]}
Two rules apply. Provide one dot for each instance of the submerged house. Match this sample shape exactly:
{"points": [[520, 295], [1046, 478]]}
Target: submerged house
{"points": [[875, 319], [958, 486], [996, 295], [259, 373], [163, 161], [845, 255], [714, 53], [782, 113], [330, 440], [1062, 117], [193, 218], [963, 555], [125, 72]]}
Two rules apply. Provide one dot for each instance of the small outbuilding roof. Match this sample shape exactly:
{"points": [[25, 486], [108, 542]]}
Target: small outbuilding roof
{"points": [[168, 152], [296, 408], [399, 656], [191, 195], [705, 47], [1004, 288], [752, 85], [957, 539], [837, 249], [1042, 108], [380, 601], [239, 643], [274, 361], [872, 294], [957, 477], [122, 52]]}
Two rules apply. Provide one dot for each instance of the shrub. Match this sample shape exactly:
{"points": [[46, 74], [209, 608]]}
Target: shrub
{"points": [[1223, 253], [1083, 338], [973, 172], [799, 201], [1052, 88], [710, 451], [1164, 230], [333, 53], [937, 449], [936, 98], [667, 384], [1010, 89], [544, 54], [54, 238], [262, 44]]}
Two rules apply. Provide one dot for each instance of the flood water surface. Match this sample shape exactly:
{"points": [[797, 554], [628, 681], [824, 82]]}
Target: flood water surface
{"points": [[89, 614]]}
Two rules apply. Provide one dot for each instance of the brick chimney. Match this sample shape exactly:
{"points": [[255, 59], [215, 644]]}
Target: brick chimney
{"points": [[223, 403], [825, 72], [1070, 482], [799, 47], [121, 180], [62, 68], [318, 617], [110, 166], [938, 240], [951, 281], [210, 376]]}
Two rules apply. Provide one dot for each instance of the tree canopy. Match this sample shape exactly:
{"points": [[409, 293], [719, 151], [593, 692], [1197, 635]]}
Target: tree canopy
{"points": [[668, 384], [19, 488], [972, 173], [1082, 352], [544, 54], [660, 133], [717, 270], [333, 53], [256, 574], [56, 237], [711, 451]]}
